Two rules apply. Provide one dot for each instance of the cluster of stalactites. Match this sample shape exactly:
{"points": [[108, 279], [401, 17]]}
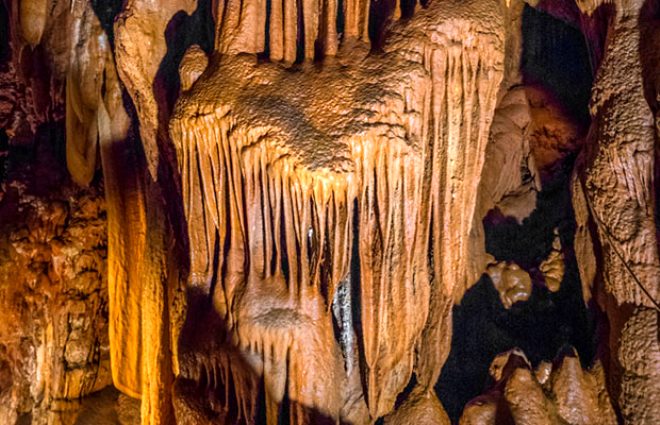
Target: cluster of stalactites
{"points": [[281, 224], [79, 60], [258, 218], [272, 235], [264, 214], [289, 29]]}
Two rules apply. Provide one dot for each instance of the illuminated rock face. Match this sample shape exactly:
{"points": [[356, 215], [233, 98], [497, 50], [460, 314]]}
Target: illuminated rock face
{"points": [[285, 170], [54, 345], [292, 217], [614, 189]]}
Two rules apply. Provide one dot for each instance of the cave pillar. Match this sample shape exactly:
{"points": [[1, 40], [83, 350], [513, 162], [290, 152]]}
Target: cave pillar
{"points": [[143, 342], [616, 176]]}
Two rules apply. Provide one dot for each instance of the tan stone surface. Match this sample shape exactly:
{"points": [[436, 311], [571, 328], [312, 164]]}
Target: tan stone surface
{"points": [[274, 163], [614, 189], [320, 186], [511, 282], [557, 393]]}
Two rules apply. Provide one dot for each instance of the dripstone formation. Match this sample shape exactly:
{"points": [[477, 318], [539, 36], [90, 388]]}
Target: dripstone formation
{"points": [[265, 212]]}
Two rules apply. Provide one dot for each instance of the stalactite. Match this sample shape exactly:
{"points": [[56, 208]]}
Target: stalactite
{"points": [[356, 15], [138, 64], [81, 136], [332, 204], [394, 280], [139, 325], [308, 25], [332, 192], [125, 207], [83, 93], [465, 78], [281, 210], [33, 15], [145, 319]]}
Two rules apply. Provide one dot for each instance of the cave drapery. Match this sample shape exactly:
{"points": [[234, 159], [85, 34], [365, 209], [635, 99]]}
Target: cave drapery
{"points": [[297, 196]]}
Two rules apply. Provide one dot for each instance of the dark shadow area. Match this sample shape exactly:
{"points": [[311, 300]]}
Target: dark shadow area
{"points": [[41, 165], [540, 326], [181, 32], [529, 244], [5, 48], [107, 11], [408, 8], [380, 12], [4, 151], [42, 162], [649, 52], [341, 20], [356, 296], [555, 55], [265, 55]]}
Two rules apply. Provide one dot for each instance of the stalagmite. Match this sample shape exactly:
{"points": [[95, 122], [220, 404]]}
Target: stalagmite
{"points": [[561, 392], [553, 266], [421, 408]]}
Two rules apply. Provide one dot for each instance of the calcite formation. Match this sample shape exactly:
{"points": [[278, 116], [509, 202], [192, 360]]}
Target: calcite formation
{"points": [[614, 184], [512, 283], [557, 392], [553, 266], [296, 195], [287, 169], [54, 346]]}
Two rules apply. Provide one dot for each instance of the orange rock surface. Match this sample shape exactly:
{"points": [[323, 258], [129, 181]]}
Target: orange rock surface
{"points": [[271, 209]]}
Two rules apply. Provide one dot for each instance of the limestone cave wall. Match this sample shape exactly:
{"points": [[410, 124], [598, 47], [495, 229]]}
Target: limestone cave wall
{"points": [[322, 211]]}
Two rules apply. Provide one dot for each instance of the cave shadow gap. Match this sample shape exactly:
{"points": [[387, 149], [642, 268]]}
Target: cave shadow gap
{"points": [[556, 58]]}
